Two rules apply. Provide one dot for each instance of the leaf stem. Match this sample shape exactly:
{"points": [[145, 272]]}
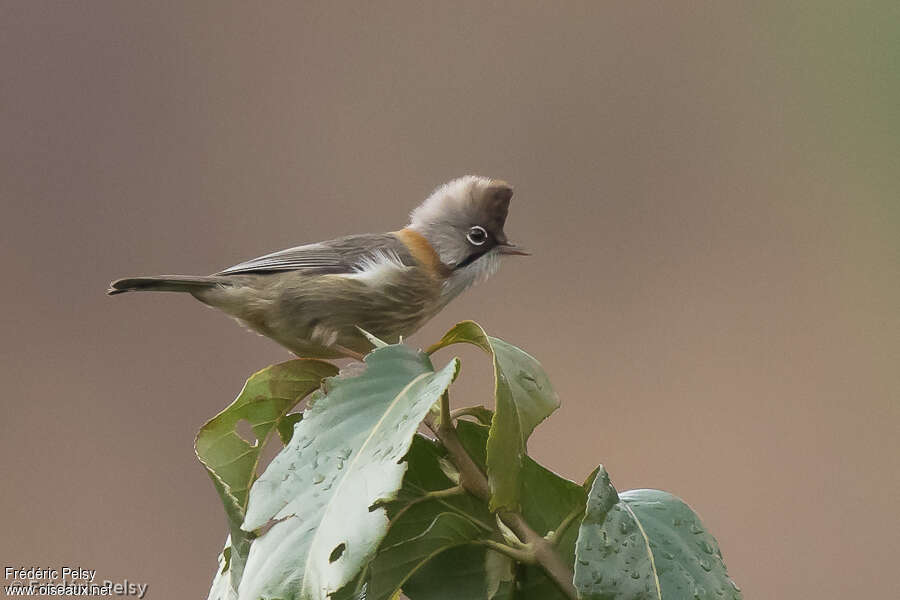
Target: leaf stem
{"points": [[545, 554], [554, 536], [432, 495], [445, 410], [451, 491], [470, 476], [469, 411], [523, 555], [475, 482]]}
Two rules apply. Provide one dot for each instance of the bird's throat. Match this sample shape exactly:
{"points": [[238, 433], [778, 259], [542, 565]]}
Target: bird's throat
{"points": [[462, 278]]}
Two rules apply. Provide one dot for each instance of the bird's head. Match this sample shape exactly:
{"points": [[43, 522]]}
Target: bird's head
{"points": [[463, 221]]}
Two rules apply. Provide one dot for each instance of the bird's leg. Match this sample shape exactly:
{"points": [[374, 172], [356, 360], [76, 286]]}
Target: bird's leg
{"points": [[348, 352]]}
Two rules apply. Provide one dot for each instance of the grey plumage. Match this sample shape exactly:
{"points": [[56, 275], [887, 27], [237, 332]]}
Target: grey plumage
{"points": [[313, 299], [304, 297], [340, 255], [161, 283]]}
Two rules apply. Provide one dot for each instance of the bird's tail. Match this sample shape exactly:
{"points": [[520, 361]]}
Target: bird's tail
{"points": [[162, 283]]}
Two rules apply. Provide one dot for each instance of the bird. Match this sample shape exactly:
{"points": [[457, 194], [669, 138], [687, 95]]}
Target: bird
{"points": [[328, 299]]}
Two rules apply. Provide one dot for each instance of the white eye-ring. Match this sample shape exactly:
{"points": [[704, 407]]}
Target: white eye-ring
{"points": [[477, 235]]}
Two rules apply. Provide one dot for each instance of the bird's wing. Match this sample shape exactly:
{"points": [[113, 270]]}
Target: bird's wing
{"points": [[342, 255]]}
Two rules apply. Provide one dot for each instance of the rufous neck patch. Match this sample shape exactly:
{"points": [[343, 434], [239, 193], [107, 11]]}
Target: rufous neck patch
{"points": [[423, 252]]}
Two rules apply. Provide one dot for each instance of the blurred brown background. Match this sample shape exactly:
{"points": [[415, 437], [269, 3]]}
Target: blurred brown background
{"points": [[710, 192]]}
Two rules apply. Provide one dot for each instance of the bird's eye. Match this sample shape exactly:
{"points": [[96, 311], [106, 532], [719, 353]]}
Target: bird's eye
{"points": [[477, 235]]}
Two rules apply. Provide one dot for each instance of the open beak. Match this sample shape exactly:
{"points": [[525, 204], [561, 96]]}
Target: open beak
{"points": [[510, 248]]}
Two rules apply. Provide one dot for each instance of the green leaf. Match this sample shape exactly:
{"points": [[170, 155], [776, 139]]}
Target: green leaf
{"points": [[524, 398], [500, 575], [374, 340], [470, 571], [548, 497], [396, 563], [479, 413], [221, 588], [230, 460], [456, 574], [547, 500], [326, 488], [646, 544], [286, 426], [414, 510], [412, 514], [352, 591]]}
